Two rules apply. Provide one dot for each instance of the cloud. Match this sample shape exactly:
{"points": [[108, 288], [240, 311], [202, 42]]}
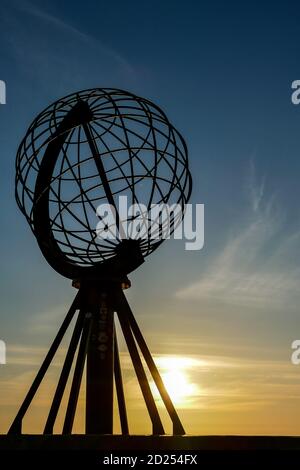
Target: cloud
{"points": [[215, 386], [72, 31], [55, 53], [31, 356], [255, 189], [255, 267], [46, 322]]}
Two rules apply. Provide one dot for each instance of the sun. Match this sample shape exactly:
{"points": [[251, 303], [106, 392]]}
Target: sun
{"points": [[176, 378], [178, 385]]}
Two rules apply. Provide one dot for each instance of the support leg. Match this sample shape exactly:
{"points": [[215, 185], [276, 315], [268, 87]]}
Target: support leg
{"points": [[141, 375], [98, 344], [177, 426], [59, 392], [77, 377], [16, 427], [119, 388]]}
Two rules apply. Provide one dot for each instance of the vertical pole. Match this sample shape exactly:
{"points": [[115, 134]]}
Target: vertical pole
{"points": [[100, 363]]}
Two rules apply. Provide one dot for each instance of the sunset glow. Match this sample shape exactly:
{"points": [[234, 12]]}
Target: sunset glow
{"points": [[176, 374]]}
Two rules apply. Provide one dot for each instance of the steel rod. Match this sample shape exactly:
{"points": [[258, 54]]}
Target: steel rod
{"points": [[140, 372], [61, 386], [178, 429], [77, 377], [119, 388], [16, 427]]}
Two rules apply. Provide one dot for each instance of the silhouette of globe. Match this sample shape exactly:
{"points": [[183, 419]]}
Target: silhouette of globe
{"points": [[88, 149]]}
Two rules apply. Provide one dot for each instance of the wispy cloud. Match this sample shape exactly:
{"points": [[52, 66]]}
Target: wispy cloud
{"points": [[47, 321], [45, 46], [215, 386], [72, 31], [252, 268], [255, 188]]}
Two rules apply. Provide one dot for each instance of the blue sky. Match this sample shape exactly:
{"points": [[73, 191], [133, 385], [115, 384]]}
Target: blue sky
{"points": [[222, 71]]}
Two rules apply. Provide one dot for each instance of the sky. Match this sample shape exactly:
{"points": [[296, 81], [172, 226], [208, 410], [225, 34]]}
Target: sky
{"points": [[219, 321]]}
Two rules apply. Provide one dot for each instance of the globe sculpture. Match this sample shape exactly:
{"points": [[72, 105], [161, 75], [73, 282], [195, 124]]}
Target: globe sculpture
{"points": [[91, 150]]}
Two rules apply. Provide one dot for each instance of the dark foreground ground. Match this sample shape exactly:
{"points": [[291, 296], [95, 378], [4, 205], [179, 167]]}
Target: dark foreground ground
{"points": [[78, 451], [148, 443]]}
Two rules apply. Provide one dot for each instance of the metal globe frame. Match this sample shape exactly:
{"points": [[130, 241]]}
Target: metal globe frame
{"points": [[86, 149], [89, 148]]}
